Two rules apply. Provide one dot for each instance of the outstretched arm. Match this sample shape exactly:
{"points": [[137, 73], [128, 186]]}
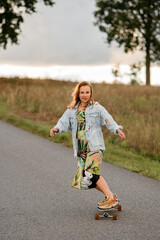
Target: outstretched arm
{"points": [[108, 121], [63, 124], [119, 131]]}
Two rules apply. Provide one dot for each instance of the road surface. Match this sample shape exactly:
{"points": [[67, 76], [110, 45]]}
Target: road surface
{"points": [[37, 201]]}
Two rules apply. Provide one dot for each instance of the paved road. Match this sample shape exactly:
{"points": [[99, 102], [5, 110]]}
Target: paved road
{"points": [[37, 201]]}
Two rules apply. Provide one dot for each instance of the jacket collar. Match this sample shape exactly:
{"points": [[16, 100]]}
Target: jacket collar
{"points": [[76, 107]]}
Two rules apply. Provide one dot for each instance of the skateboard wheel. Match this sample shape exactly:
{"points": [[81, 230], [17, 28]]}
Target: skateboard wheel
{"points": [[97, 216], [119, 208], [114, 216]]}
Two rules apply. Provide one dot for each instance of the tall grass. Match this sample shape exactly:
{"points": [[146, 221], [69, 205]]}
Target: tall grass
{"points": [[136, 108]]}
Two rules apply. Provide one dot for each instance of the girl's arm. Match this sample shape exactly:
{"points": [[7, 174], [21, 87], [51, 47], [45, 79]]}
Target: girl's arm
{"points": [[63, 124], [121, 134], [53, 131], [108, 121]]}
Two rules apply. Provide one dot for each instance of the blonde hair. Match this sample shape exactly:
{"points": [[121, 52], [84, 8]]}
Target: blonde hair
{"points": [[75, 94]]}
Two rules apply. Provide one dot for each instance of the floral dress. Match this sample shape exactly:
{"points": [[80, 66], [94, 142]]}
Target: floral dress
{"points": [[88, 161]]}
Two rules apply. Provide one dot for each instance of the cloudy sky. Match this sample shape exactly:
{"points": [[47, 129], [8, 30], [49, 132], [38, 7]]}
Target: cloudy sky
{"points": [[63, 35]]}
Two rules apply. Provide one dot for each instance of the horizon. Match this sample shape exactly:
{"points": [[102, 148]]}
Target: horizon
{"points": [[92, 73]]}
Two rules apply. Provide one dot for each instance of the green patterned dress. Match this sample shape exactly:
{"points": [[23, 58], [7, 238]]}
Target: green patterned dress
{"points": [[88, 162]]}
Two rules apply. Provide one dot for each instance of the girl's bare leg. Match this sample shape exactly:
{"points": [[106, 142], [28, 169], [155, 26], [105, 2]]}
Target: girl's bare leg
{"points": [[98, 189], [103, 187]]}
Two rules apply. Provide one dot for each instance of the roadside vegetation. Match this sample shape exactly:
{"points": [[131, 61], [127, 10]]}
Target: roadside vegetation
{"points": [[36, 105]]}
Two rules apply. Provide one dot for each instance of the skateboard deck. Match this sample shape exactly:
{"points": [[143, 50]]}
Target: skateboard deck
{"points": [[107, 214]]}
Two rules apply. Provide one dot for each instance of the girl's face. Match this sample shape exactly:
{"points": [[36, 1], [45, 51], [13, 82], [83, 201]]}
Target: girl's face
{"points": [[84, 94]]}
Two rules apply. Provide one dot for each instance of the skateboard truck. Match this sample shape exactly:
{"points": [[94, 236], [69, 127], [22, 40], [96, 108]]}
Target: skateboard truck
{"points": [[107, 215]]}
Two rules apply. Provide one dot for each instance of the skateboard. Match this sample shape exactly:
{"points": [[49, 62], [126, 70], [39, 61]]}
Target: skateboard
{"points": [[106, 213]]}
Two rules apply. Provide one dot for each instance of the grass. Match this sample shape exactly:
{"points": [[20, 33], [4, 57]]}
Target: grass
{"points": [[39, 128], [36, 106], [131, 160]]}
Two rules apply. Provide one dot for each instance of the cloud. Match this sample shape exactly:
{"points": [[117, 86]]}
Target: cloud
{"points": [[62, 35], [118, 57]]}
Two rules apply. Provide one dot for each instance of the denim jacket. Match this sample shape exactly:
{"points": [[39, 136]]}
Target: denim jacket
{"points": [[95, 116]]}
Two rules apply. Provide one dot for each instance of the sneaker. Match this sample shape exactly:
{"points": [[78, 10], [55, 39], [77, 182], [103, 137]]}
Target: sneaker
{"points": [[106, 199], [115, 197], [103, 201], [110, 203]]}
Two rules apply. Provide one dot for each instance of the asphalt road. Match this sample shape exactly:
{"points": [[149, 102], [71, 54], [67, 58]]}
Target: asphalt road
{"points": [[37, 201]]}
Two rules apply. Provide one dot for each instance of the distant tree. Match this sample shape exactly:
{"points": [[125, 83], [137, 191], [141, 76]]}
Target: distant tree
{"points": [[135, 69], [116, 73], [134, 24], [11, 17]]}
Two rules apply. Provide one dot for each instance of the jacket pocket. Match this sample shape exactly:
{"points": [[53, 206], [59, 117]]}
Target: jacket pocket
{"points": [[94, 118]]}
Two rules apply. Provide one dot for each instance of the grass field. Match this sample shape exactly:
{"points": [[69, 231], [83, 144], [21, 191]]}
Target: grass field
{"points": [[36, 105]]}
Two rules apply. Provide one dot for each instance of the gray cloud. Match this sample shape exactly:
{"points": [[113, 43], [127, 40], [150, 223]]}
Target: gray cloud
{"points": [[61, 35]]}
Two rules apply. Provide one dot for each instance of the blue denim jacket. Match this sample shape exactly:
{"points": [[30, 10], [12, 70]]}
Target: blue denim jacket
{"points": [[95, 116]]}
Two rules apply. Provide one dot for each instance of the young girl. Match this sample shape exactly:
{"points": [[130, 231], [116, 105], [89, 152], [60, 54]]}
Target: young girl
{"points": [[85, 118]]}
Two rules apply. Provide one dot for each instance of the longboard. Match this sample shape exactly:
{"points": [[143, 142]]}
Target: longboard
{"points": [[106, 214]]}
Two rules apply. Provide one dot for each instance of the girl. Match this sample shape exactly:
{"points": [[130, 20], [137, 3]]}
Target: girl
{"points": [[85, 118]]}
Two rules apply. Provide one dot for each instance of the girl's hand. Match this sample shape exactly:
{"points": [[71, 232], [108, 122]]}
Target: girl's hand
{"points": [[53, 131], [121, 134]]}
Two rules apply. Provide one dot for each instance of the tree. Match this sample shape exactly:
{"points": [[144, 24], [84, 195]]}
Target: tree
{"points": [[134, 24], [135, 69], [11, 17], [116, 73]]}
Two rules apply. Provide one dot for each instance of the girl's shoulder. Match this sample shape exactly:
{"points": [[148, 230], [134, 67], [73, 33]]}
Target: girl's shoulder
{"points": [[70, 112], [97, 105]]}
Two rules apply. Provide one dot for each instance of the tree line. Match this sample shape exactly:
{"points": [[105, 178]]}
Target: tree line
{"points": [[133, 24]]}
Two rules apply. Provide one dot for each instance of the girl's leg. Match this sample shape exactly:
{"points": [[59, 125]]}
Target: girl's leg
{"points": [[98, 189], [103, 187]]}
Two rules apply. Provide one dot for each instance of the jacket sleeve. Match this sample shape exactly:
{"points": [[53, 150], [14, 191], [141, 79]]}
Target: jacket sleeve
{"points": [[63, 123], [108, 121]]}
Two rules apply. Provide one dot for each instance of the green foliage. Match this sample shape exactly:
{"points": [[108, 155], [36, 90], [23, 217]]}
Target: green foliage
{"points": [[116, 73], [123, 156], [11, 17], [134, 71], [132, 24]]}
